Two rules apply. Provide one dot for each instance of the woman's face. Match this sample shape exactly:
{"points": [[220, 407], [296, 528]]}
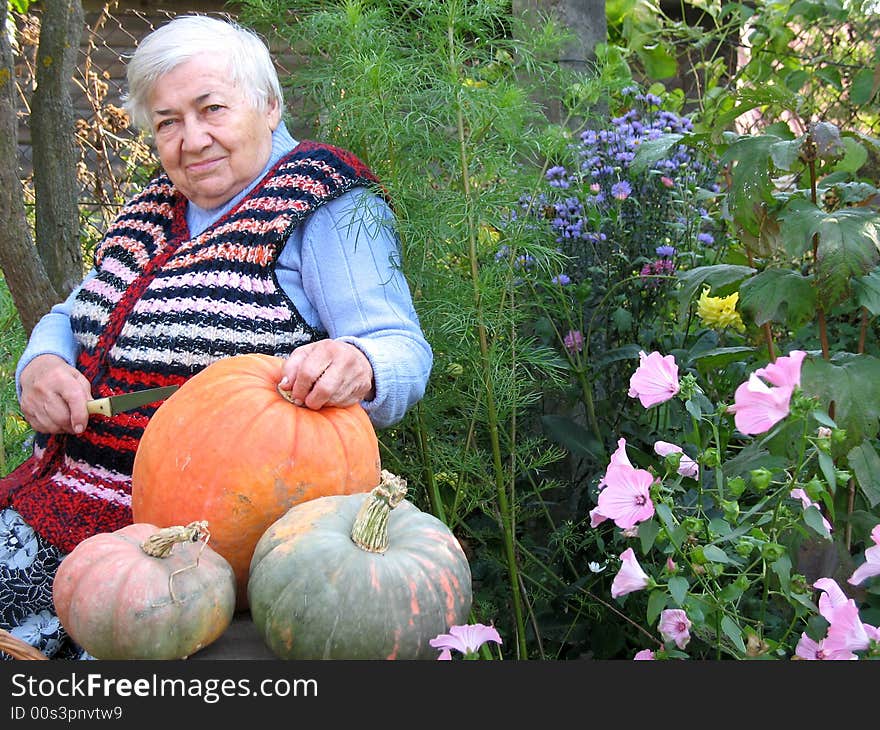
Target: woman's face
{"points": [[210, 140]]}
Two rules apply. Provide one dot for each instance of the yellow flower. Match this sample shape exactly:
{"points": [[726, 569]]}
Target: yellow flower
{"points": [[488, 235], [719, 312]]}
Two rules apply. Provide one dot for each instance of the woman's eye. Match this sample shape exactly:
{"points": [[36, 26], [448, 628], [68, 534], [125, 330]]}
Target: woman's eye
{"points": [[164, 124], [213, 107]]}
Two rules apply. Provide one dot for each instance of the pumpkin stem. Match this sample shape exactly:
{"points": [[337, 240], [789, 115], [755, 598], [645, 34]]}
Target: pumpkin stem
{"points": [[160, 544], [370, 530]]}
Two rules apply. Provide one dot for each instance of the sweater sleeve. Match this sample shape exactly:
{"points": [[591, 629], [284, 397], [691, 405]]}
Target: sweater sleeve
{"points": [[341, 268], [52, 335]]}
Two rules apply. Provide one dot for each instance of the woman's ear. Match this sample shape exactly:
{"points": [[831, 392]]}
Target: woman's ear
{"points": [[273, 114]]}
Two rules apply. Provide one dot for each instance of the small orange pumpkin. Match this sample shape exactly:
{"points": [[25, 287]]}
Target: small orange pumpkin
{"points": [[228, 448], [145, 593]]}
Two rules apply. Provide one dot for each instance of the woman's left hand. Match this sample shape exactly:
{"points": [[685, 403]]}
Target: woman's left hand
{"points": [[327, 373]]}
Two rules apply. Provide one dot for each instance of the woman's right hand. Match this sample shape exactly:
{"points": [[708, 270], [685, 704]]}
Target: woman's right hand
{"points": [[54, 395]]}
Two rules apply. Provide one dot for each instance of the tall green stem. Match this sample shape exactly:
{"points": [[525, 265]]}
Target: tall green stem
{"points": [[491, 412]]}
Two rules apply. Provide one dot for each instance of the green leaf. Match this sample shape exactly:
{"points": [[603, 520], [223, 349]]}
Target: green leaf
{"points": [[863, 87], [715, 277], [719, 527], [574, 437], [826, 465], [867, 291], [715, 554], [692, 406], [751, 457], [625, 352], [678, 588], [782, 568], [796, 221], [731, 592], [865, 465], [751, 183], [659, 62], [733, 632], [849, 241], [813, 518], [852, 382], [719, 357], [622, 319], [653, 150], [656, 603], [665, 515], [648, 531], [786, 153], [823, 419], [854, 157], [783, 296], [849, 244]]}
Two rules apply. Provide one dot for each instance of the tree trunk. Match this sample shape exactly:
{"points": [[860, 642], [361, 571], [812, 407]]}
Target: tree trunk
{"points": [[584, 18], [31, 289], [55, 155]]}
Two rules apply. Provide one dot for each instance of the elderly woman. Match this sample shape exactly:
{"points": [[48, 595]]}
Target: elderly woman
{"points": [[248, 241]]}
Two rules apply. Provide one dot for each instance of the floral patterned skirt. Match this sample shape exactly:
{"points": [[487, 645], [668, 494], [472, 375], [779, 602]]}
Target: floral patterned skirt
{"points": [[27, 569]]}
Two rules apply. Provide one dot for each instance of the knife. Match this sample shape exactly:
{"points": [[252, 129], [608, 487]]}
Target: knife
{"points": [[113, 404]]}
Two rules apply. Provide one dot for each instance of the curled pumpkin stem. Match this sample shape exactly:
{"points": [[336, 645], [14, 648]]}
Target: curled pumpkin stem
{"points": [[370, 529], [161, 543]]}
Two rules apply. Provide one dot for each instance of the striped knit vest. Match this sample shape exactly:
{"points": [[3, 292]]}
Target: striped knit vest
{"points": [[162, 306]]}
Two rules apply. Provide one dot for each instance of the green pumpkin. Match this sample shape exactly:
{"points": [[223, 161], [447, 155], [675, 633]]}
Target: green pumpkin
{"points": [[362, 576]]}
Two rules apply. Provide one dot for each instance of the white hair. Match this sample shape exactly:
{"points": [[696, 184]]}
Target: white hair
{"points": [[186, 36]]}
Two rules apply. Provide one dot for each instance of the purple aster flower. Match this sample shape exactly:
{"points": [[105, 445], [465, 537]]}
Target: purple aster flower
{"points": [[556, 176], [561, 279], [706, 238], [621, 190], [666, 251]]}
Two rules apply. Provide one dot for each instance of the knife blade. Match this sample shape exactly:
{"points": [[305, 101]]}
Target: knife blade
{"points": [[113, 404]]}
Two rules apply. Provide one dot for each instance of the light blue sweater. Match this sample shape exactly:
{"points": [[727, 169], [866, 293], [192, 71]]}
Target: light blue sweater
{"points": [[340, 268]]}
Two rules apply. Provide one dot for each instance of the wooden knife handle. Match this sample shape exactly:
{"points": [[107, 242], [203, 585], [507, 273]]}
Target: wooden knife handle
{"points": [[100, 406]]}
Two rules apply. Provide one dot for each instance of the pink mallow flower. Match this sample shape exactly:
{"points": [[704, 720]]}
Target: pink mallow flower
{"points": [[832, 596], [786, 371], [847, 633], [626, 497], [645, 655], [675, 626], [871, 566], [757, 406], [655, 379], [466, 639], [807, 502], [618, 458], [814, 650], [687, 467], [630, 577]]}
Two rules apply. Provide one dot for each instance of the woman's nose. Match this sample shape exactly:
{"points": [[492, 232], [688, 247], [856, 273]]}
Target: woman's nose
{"points": [[195, 136]]}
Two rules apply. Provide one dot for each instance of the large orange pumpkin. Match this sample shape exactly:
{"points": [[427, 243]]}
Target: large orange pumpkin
{"points": [[228, 448]]}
